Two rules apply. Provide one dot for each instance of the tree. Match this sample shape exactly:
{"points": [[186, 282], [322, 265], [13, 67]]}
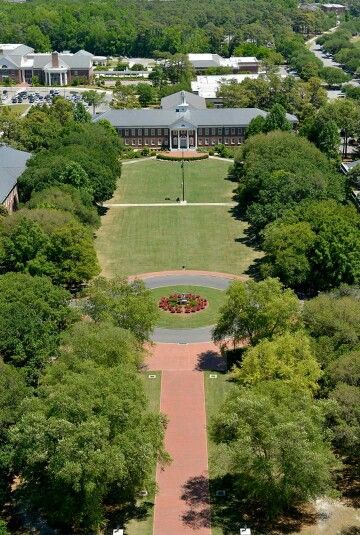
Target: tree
{"points": [[86, 438], [146, 94], [12, 392], [93, 98], [257, 310], [3, 528], [286, 358], [34, 313], [69, 199], [287, 247], [276, 119], [126, 305], [107, 345], [75, 175], [346, 418], [346, 369], [334, 253], [274, 444], [334, 76], [332, 321], [37, 39], [80, 113], [48, 242], [256, 126]]}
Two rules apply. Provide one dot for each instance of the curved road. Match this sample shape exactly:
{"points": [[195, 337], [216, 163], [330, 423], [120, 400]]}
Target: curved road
{"points": [[185, 336]]}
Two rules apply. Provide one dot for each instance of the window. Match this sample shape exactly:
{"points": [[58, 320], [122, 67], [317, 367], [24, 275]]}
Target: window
{"points": [[153, 131], [146, 141], [139, 141], [159, 131], [213, 131], [213, 141], [206, 131], [133, 141], [133, 132], [206, 141], [126, 142], [153, 142], [232, 141], [240, 131], [146, 131], [233, 131], [140, 132], [226, 131], [126, 133], [200, 131], [200, 141], [159, 141], [226, 141], [239, 141], [220, 140], [219, 131], [166, 131]]}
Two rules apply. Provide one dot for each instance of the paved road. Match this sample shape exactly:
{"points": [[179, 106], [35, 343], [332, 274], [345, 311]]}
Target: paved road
{"points": [[186, 336]]}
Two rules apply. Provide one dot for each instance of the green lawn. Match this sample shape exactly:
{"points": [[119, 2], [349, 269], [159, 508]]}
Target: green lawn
{"points": [[143, 239], [16, 109], [153, 180], [215, 393], [144, 525], [216, 298]]}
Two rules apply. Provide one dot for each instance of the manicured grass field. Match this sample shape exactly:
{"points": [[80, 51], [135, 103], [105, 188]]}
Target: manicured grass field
{"points": [[17, 109], [153, 180], [144, 525], [143, 239], [216, 298], [215, 392]]}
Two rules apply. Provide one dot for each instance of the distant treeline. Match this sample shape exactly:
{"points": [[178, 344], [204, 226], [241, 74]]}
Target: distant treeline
{"points": [[136, 28]]}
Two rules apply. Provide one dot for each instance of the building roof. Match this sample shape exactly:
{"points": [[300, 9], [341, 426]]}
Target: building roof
{"points": [[136, 118], [207, 86], [12, 165], [205, 61], [172, 101], [347, 166]]}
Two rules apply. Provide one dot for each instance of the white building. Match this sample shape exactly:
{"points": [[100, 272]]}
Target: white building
{"points": [[203, 62], [208, 86]]}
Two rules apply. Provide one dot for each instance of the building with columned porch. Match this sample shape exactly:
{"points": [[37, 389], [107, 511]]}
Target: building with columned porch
{"points": [[20, 64], [183, 125]]}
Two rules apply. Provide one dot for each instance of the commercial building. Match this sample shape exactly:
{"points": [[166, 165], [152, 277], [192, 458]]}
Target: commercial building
{"points": [[208, 86], [20, 64], [203, 62], [183, 123], [12, 165]]}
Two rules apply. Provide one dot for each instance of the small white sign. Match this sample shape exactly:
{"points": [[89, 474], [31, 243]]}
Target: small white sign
{"points": [[118, 532], [213, 376], [152, 376]]}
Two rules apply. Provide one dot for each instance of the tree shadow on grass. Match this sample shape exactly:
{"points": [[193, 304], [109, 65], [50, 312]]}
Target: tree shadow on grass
{"points": [[118, 518], [233, 511], [211, 361], [196, 496]]}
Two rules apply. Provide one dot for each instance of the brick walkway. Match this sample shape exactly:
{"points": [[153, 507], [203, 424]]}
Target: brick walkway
{"points": [[182, 503]]}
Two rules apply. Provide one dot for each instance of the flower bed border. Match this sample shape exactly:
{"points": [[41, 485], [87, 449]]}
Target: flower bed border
{"points": [[167, 304], [178, 157]]}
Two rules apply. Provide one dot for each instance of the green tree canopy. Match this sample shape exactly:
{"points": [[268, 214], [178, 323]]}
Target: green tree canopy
{"points": [[275, 446], [257, 310], [128, 305], [90, 435], [34, 313], [287, 357]]}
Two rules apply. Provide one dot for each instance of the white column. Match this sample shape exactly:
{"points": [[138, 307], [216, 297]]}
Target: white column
{"points": [[66, 79], [178, 140], [170, 140], [187, 139], [195, 138], [61, 78]]}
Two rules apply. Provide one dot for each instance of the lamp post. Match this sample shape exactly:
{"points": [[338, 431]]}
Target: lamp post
{"points": [[183, 177]]}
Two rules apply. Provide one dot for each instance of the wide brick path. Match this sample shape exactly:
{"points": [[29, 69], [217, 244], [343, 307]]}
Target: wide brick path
{"points": [[182, 503]]}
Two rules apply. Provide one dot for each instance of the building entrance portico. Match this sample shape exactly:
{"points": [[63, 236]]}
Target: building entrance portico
{"points": [[183, 139]]}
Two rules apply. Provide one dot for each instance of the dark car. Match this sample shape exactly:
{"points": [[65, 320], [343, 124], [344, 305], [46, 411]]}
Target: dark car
{"points": [[14, 100]]}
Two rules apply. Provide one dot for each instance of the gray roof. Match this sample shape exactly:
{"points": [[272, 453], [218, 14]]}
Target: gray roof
{"points": [[170, 102], [12, 165], [74, 61], [196, 117], [347, 166], [204, 63]]}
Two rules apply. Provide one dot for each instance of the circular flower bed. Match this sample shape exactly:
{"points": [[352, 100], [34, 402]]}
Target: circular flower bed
{"points": [[183, 303]]}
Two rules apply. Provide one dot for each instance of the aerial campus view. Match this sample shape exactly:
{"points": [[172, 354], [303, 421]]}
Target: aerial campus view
{"points": [[179, 267]]}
